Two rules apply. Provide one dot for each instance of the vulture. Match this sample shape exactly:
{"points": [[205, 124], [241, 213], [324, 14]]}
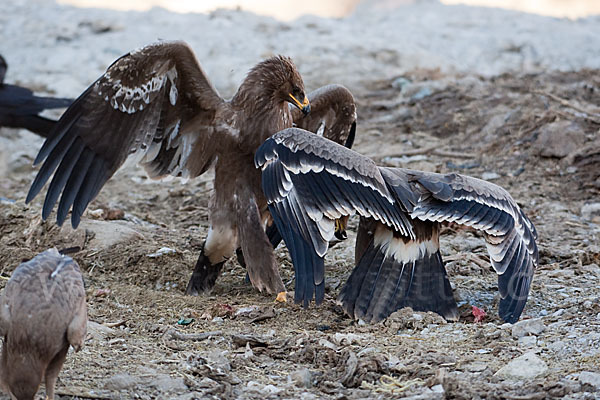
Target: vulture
{"points": [[42, 313], [311, 182], [19, 107], [157, 103]]}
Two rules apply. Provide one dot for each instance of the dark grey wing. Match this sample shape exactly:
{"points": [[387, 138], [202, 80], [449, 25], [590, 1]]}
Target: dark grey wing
{"points": [[156, 102], [332, 114], [309, 182], [510, 235], [19, 108]]}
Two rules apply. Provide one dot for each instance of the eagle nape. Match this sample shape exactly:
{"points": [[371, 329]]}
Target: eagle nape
{"points": [[310, 182]]}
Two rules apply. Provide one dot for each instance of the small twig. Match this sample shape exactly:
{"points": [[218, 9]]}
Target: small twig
{"points": [[388, 384], [114, 324], [414, 152], [587, 114], [453, 154], [82, 393], [192, 336], [434, 150]]}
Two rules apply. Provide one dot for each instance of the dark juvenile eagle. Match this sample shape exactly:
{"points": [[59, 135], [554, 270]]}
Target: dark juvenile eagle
{"points": [[42, 313], [19, 107], [157, 102], [310, 182]]}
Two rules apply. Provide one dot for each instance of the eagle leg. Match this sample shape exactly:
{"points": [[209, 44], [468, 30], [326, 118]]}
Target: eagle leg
{"points": [[257, 248], [274, 237], [204, 276]]}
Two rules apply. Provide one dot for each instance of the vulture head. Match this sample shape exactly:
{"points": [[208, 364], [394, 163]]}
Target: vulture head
{"points": [[278, 78]]}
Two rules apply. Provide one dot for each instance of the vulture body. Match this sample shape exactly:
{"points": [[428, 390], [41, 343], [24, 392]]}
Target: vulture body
{"points": [[42, 313], [19, 107], [158, 103], [310, 182]]}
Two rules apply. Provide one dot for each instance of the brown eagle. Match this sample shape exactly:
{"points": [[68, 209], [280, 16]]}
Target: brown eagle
{"points": [[157, 102], [311, 182]]}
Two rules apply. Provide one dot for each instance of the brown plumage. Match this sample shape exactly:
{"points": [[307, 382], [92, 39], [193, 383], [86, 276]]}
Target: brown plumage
{"points": [[42, 313], [157, 102], [310, 182]]}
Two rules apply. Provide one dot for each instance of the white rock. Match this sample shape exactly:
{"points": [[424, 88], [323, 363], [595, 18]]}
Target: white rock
{"points": [[301, 378], [589, 211], [437, 389], [533, 326], [527, 341], [489, 176], [590, 380], [162, 252], [527, 366], [121, 382]]}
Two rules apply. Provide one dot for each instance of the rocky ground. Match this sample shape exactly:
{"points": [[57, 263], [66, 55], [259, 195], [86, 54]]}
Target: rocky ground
{"points": [[536, 134]]}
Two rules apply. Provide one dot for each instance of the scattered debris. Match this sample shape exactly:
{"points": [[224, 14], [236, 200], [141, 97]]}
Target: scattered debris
{"points": [[478, 313]]}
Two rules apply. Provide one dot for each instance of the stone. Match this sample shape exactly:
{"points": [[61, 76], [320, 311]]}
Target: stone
{"points": [[590, 210], [559, 139], [165, 383], [590, 381], [105, 234], [121, 382], [533, 326], [527, 341], [490, 176], [476, 366], [301, 378], [99, 331], [527, 366]]}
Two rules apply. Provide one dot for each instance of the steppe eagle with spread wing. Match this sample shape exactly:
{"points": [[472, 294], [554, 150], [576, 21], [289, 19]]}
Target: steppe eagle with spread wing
{"points": [[159, 103]]}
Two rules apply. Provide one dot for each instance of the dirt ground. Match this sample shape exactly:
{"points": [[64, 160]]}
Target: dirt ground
{"points": [[535, 135]]}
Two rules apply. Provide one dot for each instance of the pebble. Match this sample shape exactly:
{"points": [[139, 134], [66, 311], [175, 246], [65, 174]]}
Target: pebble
{"points": [[526, 327], [590, 381], [527, 341], [527, 366], [559, 138], [558, 312], [121, 382], [165, 383], [590, 210], [489, 176], [301, 378]]}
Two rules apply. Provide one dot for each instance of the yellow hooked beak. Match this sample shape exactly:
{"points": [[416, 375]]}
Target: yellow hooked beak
{"points": [[304, 106], [340, 228]]}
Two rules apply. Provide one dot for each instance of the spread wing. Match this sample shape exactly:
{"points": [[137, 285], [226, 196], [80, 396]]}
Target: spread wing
{"points": [[332, 114], [310, 182], [156, 102], [510, 235]]}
